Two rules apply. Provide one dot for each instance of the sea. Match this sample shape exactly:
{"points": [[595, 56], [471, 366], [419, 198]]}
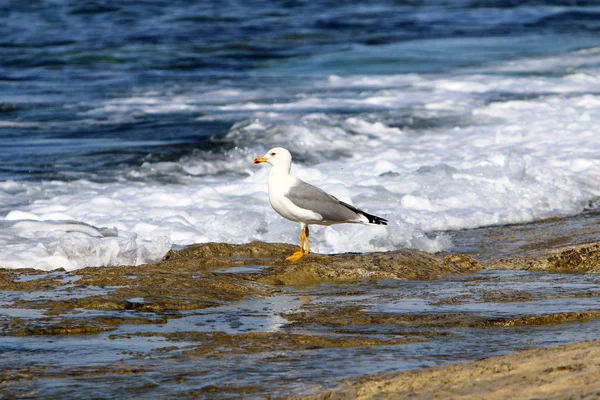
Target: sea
{"points": [[128, 128]]}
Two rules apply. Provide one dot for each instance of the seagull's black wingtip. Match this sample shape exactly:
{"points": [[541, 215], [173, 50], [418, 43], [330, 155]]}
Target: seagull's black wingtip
{"points": [[373, 219]]}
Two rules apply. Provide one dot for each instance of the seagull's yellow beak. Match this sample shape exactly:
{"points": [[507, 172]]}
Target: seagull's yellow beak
{"points": [[259, 160]]}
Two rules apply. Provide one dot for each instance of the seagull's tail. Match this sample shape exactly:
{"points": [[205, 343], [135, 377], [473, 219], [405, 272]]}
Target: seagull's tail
{"points": [[374, 219]]}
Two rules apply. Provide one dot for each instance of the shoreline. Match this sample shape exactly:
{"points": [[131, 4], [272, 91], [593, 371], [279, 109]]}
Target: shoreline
{"points": [[216, 308]]}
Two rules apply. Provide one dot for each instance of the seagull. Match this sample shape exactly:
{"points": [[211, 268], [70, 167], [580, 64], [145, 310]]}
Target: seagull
{"points": [[301, 202]]}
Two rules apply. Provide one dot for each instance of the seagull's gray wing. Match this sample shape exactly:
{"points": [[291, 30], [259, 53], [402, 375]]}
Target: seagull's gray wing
{"points": [[331, 209]]}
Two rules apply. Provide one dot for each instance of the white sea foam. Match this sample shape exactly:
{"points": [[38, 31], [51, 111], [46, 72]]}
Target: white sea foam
{"points": [[520, 148]]}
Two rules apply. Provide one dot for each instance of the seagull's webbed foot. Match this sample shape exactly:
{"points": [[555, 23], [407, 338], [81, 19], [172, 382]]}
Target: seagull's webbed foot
{"points": [[304, 245], [296, 256]]}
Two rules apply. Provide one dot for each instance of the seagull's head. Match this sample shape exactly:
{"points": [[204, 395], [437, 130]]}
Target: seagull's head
{"points": [[276, 156]]}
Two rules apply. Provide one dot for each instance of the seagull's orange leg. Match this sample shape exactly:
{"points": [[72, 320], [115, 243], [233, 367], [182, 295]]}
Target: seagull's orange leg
{"points": [[301, 253], [306, 240]]}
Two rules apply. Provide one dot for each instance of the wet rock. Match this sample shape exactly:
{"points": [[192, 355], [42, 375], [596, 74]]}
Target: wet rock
{"points": [[573, 259], [69, 326], [344, 316], [582, 260], [402, 264], [501, 296], [525, 264], [58, 328], [232, 391], [315, 268], [545, 319], [219, 343], [335, 315], [28, 279], [209, 251]]}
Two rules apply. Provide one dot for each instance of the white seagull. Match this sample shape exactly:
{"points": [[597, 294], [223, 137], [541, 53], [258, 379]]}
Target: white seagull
{"points": [[301, 202]]}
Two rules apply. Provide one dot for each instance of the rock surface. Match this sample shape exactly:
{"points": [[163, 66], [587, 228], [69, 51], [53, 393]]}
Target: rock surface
{"points": [[179, 302], [584, 258], [565, 372]]}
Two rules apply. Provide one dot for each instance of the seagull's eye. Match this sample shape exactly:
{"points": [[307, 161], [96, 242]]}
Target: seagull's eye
{"points": [[272, 154]]}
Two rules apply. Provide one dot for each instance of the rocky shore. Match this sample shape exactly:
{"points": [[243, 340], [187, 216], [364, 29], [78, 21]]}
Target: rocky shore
{"points": [[203, 276], [333, 302]]}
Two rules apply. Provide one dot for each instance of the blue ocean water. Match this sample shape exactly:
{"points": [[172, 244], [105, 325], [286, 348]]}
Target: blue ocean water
{"points": [[61, 60], [437, 114]]}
